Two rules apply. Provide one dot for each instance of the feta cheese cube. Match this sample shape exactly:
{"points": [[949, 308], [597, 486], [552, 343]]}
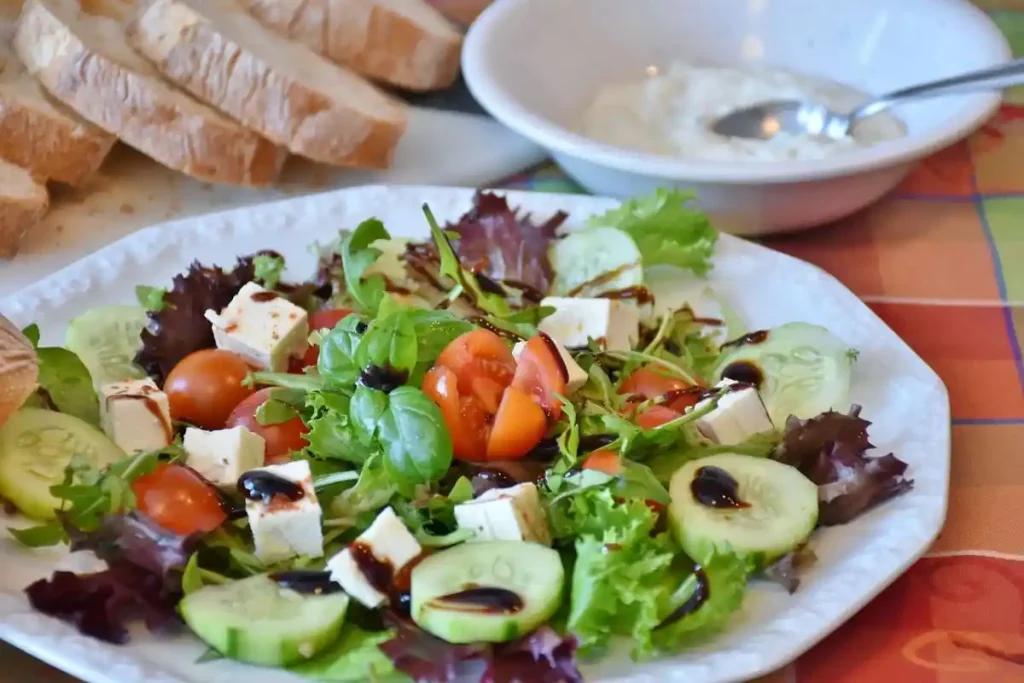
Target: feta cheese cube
{"points": [[223, 455], [261, 326], [613, 324], [387, 542], [135, 414], [739, 415], [509, 514], [283, 528], [576, 375]]}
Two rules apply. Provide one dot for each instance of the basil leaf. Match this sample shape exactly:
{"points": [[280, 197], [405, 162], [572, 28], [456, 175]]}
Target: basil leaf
{"points": [[356, 256], [337, 364], [434, 331], [416, 443], [68, 383], [389, 342], [32, 334], [365, 412]]}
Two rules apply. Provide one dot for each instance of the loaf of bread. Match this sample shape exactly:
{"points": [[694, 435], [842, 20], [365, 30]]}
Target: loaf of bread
{"points": [[277, 87], [406, 43], [19, 369], [38, 134], [23, 202], [84, 61]]}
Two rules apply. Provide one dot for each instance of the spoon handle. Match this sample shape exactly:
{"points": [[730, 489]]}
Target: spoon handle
{"points": [[997, 77]]}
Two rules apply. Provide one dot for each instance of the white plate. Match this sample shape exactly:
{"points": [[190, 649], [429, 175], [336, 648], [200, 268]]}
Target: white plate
{"points": [[900, 394]]}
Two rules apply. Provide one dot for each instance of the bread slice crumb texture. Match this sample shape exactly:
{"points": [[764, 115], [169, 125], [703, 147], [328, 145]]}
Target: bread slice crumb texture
{"points": [[84, 61], [23, 203]]}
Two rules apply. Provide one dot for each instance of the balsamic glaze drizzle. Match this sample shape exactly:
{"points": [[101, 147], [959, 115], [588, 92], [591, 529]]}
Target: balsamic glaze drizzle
{"points": [[487, 599], [307, 581], [265, 486], [383, 377], [701, 594], [714, 487]]}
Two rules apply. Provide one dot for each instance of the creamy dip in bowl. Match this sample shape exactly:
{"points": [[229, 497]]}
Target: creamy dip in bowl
{"points": [[669, 113]]}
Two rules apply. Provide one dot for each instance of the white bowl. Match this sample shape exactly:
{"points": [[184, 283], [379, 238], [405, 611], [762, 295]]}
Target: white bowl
{"points": [[535, 65]]}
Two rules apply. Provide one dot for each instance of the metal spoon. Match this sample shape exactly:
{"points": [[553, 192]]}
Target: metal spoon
{"points": [[766, 120]]}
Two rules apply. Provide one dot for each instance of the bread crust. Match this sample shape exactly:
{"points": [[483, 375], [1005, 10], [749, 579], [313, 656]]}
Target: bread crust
{"points": [[19, 369]]}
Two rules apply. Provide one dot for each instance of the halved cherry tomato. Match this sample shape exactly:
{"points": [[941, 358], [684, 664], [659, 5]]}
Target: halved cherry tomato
{"points": [[519, 425], [493, 409], [541, 373], [608, 462], [179, 500], [282, 438], [655, 416], [205, 386], [320, 320], [648, 383]]}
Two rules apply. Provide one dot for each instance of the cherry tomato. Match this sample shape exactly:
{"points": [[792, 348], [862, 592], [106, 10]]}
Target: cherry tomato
{"points": [[282, 438], [608, 462], [487, 414], [320, 320], [179, 500], [541, 373], [655, 416], [205, 386], [647, 383]]}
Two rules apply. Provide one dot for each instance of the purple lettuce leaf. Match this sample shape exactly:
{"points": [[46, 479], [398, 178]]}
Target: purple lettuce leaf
{"points": [[542, 656], [831, 450], [787, 571]]}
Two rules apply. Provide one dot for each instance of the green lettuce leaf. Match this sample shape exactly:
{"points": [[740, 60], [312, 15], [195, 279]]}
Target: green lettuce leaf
{"points": [[354, 658], [356, 256], [267, 270], [357, 506], [666, 228]]}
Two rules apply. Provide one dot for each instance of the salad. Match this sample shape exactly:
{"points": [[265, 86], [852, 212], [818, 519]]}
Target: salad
{"points": [[498, 448]]}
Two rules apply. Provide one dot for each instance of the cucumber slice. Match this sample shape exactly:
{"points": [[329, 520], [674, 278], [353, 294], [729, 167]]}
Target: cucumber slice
{"points": [[799, 369], [595, 260], [107, 339], [36, 446], [782, 509], [256, 620], [529, 572]]}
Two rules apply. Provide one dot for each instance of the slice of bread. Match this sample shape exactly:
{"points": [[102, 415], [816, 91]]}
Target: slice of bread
{"points": [[23, 201], [281, 89], [406, 43], [85, 62], [52, 142], [19, 369]]}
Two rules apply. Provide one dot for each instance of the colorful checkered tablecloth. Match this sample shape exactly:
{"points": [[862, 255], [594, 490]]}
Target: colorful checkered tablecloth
{"points": [[942, 262]]}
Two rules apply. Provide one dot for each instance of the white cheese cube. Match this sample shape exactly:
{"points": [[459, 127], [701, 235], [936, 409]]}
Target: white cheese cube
{"points": [[389, 543], [576, 376], [510, 514], [261, 326], [135, 414], [739, 415], [283, 528], [223, 455], [613, 324]]}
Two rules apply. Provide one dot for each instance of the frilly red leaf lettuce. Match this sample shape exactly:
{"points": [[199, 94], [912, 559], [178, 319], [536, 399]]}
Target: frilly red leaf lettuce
{"points": [[787, 571], [830, 450], [543, 656], [143, 580], [497, 241]]}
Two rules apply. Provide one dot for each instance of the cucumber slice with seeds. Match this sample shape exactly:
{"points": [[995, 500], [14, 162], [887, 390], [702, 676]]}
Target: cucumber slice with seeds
{"points": [[258, 621], [593, 261], [775, 510], [491, 591], [35, 448], [799, 369], [107, 339]]}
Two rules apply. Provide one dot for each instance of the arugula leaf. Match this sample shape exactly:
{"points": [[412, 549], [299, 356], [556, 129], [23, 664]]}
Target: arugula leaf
{"points": [[465, 281], [666, 229], [337, 364], [354, 658], [267, 270], [150, 298], [356, 256], [416, 442], [67, 382], [365, 412]]}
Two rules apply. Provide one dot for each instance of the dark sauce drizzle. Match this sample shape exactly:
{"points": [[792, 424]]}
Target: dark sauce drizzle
{"points": [[383, 377], [228, 505], [638, 293], [488, 285], [480, 321], [382, 576], [553, 348], [307, 581], [486, 599], [262, 297], [714, 487], [701, 593], [758, 337], [744, 372], [265, 486], [547, 449]]}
